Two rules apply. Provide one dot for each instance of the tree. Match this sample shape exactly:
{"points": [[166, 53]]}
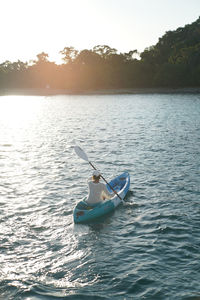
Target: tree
{"points": [[88, 57], [69, 54], [104, 51], [42, 57], [131, 55]]}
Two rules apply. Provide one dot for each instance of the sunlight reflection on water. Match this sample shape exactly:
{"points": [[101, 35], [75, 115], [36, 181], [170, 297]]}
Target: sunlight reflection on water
{"points": [[17, 112], [156, 139]]}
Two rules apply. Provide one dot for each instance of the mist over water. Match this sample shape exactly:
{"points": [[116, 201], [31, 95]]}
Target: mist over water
{"points": [[149, 248]]}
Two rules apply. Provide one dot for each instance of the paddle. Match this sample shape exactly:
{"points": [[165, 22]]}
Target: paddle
{"points": [[83, 155]]}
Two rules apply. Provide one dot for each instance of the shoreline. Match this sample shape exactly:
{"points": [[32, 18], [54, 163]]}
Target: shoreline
{"points": [[131, 91]]}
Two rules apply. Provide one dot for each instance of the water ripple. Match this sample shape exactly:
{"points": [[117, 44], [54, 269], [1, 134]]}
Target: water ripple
{"points": [[149, 247]]}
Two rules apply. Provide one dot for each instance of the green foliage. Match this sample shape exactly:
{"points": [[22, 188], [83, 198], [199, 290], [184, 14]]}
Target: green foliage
{"points": [[173, 62], [176, 57]]}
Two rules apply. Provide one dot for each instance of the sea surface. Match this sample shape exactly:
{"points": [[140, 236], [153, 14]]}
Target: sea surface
{"points": [[149, 248]]}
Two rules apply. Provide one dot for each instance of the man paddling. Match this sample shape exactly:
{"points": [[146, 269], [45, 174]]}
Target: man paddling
{"points": [[97, 190]]}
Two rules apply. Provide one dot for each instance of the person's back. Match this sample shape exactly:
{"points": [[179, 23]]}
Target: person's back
{"points": [[97, 190]]}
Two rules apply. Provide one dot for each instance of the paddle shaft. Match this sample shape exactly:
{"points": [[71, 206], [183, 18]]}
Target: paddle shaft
{"points": [[106, 181]]}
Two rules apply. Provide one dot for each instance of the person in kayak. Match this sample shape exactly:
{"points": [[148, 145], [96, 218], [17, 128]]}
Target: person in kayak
{"points": [[97, 190]]}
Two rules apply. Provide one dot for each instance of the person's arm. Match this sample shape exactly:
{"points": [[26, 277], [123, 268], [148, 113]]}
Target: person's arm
{"points": [[106, 192]]}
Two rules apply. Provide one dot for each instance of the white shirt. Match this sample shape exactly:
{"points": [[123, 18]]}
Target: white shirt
{"points": [[97, 191]]}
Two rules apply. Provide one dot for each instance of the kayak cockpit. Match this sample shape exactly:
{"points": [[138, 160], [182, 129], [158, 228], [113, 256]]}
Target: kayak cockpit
{"points": [[82, 205]]}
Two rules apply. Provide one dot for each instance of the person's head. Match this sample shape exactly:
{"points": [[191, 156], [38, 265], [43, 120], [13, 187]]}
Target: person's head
{"points": [[96, 176]]}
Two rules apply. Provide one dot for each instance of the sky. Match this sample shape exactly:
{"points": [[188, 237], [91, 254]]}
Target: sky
{"points": [[29, 27]]}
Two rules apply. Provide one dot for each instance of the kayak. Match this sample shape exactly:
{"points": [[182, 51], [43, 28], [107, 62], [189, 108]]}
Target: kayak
{"points": [[84, 213]]}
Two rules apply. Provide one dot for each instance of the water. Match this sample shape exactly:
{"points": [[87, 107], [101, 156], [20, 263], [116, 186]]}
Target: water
{"points": [[150, 247]]}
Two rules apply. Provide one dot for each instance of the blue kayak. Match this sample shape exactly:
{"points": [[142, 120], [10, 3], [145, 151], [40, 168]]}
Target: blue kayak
{"points": [[84, 213]]}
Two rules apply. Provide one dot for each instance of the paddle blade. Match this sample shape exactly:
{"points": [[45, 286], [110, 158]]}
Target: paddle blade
{"points": [[80, 153]]}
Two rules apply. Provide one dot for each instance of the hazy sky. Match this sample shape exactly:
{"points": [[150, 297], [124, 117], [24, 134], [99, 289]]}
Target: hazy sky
{"points": [[29, 27]]}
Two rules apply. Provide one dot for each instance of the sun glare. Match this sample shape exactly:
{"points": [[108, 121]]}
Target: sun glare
{"points": [[43, 26], [31, 27], [17, 111]]}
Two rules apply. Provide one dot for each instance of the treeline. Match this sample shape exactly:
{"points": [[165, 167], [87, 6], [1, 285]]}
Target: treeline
{"points": [[173, 62]]}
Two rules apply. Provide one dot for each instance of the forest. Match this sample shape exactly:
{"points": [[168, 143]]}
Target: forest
{"points": [[173, 62]]}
